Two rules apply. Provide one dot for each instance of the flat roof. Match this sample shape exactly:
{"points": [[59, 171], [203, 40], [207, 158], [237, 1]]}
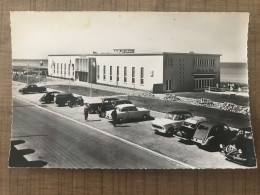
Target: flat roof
{"points": [[134, 54]]}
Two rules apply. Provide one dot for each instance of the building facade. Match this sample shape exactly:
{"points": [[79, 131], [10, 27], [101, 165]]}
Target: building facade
{"points": [[158, 72]]}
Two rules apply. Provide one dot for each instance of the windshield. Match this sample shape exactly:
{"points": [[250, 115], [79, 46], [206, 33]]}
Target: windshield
{"points": [[189, 125], [171, 116]]}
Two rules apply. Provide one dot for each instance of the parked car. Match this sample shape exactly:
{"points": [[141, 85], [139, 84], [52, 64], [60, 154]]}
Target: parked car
{"points": [[63, 99], [104, 107], [241, 148], [171, 123], [93, 107], [32, 89], [106, 103], [49, 97], [211, 134], [129, 112], [189, 126], [76, 101]]}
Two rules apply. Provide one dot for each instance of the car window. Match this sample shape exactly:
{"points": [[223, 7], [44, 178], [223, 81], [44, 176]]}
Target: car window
{"points": [[202, 127], [132, 108], [171, 116], [124, 109], [187, 116], [181, 117]]}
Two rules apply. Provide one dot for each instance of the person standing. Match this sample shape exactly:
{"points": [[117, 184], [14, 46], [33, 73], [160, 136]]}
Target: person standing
{"points": [[114, 117], [86, 111]]}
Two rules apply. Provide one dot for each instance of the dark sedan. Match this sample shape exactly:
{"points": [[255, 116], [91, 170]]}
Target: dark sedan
{"points": [[210, 135], [49, 97], [241, 148], [32, 89]]}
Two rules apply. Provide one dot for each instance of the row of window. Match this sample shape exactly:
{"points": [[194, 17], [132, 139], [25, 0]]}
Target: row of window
{"points": [[169, 61], [117, 74], [65, 69], [204, 62]]}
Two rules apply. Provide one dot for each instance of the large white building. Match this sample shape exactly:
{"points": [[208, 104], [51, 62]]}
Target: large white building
{"points": [[160, 72]]}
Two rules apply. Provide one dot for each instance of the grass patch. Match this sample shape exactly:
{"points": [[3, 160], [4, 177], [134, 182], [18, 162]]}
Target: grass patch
{"points": [[232, 119], [238, 100]]}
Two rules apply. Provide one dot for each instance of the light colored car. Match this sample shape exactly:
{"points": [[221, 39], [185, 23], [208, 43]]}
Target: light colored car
{"points": [[171, 123], [129, 112]]}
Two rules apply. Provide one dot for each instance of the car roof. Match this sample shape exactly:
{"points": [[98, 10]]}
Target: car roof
{"points": [[179, 112], [195, 119], [125, 105]]}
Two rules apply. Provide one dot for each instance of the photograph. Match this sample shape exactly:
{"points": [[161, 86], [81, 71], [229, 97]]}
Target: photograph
{"points": [[130, 90]]}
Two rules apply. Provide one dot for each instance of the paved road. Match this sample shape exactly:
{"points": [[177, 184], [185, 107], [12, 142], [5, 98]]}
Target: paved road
{"points": [[64, 143]]}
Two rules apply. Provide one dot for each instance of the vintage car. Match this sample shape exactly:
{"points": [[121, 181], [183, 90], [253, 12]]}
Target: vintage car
{"points": [[69, 99], [103, 106], [210, 135], [189, 127], [171, 123], [240, 149], [32, 89], [49, 97], [129, 112]]}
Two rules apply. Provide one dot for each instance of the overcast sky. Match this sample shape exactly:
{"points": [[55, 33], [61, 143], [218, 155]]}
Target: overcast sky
{"points": [[35, 35]]}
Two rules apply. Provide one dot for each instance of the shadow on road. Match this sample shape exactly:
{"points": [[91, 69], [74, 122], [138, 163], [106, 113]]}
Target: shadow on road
{"points": [[17, 159]]}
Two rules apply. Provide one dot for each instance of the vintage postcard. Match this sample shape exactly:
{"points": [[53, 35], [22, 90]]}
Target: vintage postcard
{"points": [[130, 90]]}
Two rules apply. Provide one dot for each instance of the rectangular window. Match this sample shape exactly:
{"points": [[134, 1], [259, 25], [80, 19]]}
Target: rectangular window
{"points": [[104, 72], [110, 73], [133, 75], [73, 69], [69, 69], [142, 76], [125, 74], [61, 68], [168, 85], [117, 73], [53, 67], [58, 68], [65, 69], [98, 71]]}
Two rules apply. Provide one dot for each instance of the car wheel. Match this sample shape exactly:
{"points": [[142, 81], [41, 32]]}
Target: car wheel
{"points": [[91, 111], [170, 132], [145, 117]]}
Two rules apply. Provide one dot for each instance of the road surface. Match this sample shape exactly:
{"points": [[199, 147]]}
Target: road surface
{"points": [[64, 143]]}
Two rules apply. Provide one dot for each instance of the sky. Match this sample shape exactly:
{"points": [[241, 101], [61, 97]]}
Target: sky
{"points": [[35, 35]]}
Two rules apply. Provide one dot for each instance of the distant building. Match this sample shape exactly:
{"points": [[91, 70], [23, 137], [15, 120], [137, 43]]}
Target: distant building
{"points": [[160, 72]]}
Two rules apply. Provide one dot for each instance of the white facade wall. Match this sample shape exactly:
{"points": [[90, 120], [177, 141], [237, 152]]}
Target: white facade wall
{"points": [[152, 64], [59, 62]]}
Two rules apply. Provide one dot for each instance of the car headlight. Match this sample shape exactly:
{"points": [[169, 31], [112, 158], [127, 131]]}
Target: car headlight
{"points": [[239, 151]]}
